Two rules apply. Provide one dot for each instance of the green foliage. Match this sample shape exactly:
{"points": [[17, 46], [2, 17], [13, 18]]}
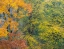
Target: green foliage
{"points": [[44, 28]]}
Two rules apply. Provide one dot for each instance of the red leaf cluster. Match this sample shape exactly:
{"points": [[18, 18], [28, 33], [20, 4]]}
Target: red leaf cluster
{"points": [[13, 43], [6, 44]]}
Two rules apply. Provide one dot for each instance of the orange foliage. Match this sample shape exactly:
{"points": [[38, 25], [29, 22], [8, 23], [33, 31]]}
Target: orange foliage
{"points": [[5, 5], [3, 32]]}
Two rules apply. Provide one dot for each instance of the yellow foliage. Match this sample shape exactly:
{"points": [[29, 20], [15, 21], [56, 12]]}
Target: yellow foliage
{"points": [[31, 39], [3, 32], [56, 28], [13, 25], [5, 5]]}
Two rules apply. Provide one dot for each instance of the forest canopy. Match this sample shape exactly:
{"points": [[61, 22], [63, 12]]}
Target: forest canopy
{"points": [[31, 24]]}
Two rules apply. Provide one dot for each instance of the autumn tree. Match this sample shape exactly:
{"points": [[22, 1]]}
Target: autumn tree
{"points": [[9, 14]]}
